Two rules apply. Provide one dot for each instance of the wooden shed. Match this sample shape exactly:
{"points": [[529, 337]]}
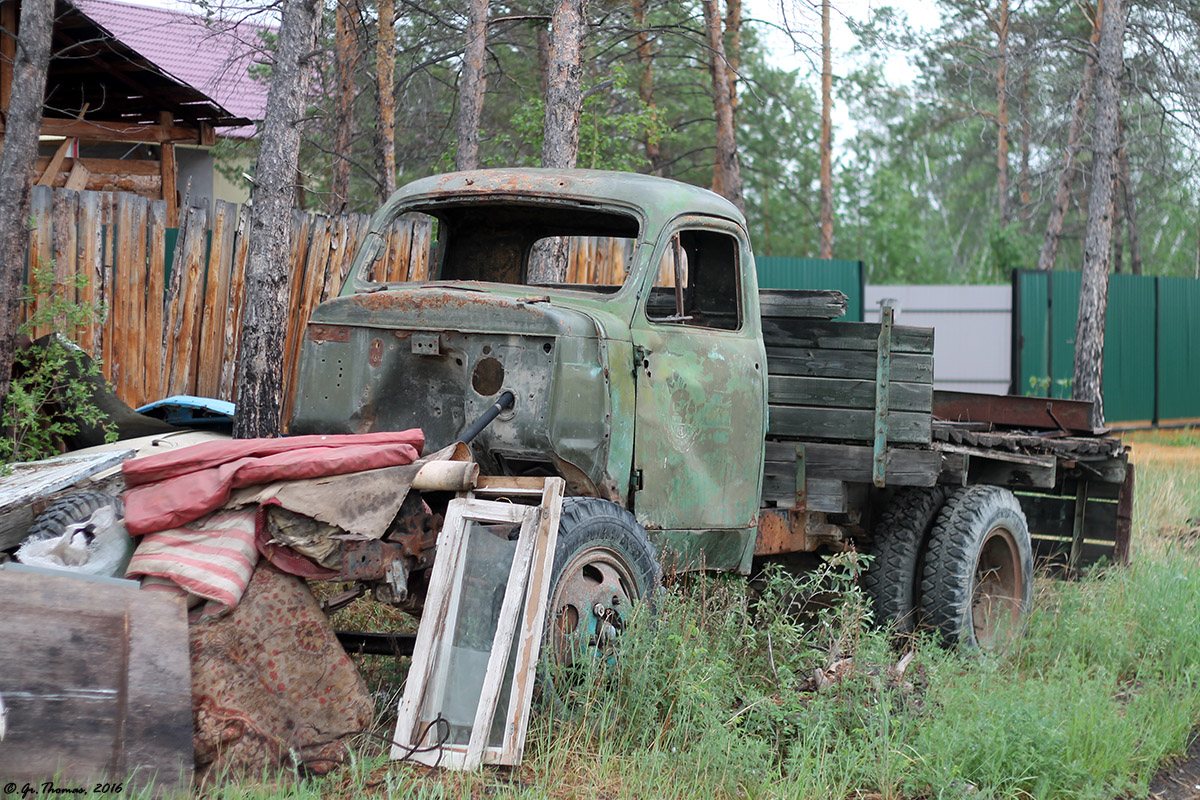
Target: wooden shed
{"points": [[120, 116]]}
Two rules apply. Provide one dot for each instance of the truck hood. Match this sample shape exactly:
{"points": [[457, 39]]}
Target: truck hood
{"points": [[457, 307]]}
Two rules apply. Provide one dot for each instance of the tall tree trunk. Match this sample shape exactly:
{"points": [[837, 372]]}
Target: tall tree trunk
{"points": [[733, 49], [645, 56], [727, 175], [564, 85], [345, 56], [23, 121], [1026, 145], [1001, 28], [260, 363], [1127, 197], [1093, 291], [472, 86], [1062, 194], [826, 247], [385, 85], [1118, 246], [564, 107]]}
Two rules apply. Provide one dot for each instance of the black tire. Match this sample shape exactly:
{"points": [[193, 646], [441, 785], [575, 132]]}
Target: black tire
{"points": [[68, 510], [894, 576], [978, 579], [604, 557]]}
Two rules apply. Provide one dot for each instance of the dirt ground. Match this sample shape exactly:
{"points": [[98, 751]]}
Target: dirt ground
{"points": [[1179, 781]]}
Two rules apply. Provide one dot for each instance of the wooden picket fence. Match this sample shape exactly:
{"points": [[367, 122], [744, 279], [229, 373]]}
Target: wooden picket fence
{"points": [[172, 297]]}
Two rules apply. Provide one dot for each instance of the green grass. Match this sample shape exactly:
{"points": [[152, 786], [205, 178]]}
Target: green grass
{"points": [[716, 698]]}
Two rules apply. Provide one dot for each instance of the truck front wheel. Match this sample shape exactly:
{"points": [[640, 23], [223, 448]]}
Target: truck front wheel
{"points": [[978, 577], [602, 564]]}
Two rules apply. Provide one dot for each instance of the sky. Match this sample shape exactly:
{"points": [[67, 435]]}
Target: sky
{"points": [[802, 49], [803, 17]]}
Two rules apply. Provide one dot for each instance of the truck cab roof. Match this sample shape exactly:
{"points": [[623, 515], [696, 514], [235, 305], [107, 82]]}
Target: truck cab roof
{"points": [[657, 199]]}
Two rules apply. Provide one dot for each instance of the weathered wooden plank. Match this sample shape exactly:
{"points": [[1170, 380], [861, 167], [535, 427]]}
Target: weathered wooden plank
{"points": [[77, 178], [339, 243], [123, 296], [1055, 552], [190, 266], [233, 310], [47, 175], [110, 698], [845, 393], [856, 364], [41, 239], [131, 277], [320, 255], [137, 350], [828, 335], [1055, 516], [823, 494], [309, 241], [1095, 489], [88, 265], [32, 480], [105, 165], [362, 228], [65, 246], [216, 300], [400, 265], [108, 257], [802, 303], [805, 422], [156, 269], [852, 463]]}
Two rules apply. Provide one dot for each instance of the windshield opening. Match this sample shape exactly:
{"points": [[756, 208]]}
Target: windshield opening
{"points": [[499, 242]]}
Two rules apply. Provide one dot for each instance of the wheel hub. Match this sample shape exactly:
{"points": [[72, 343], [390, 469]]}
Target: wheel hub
{"points": [[999, 587], [589, 605]]}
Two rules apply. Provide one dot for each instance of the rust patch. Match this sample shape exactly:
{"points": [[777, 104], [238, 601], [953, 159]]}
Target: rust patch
{"points": [[376, 353], [328, 333], [430, 298], [780, 530], [368, 560]]}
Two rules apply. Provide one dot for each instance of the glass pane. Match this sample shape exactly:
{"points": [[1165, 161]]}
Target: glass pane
{"points": [[458, 680]]}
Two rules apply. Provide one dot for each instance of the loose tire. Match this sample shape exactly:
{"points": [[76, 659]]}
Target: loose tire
{"points": [[978, 578], [68, 510], [894, 576], [603, 563]]}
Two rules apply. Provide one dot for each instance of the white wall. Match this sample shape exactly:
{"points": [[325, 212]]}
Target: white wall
{"points": [[972, 331]]}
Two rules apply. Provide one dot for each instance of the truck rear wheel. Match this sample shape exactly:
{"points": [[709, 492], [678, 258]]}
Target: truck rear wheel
{"points": [[893, 578], [978, 578], [602, 564]]}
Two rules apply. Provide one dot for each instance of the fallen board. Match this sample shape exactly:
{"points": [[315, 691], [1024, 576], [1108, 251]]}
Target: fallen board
{"points": [[96, 680], [34, 480]]}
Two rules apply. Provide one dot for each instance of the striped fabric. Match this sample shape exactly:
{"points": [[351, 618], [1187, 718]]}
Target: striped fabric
{"points": [[212, 557]]}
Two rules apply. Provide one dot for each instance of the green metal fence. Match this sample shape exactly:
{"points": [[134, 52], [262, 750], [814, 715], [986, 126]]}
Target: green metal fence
{"points": [[775, 272], [1151, 343]]}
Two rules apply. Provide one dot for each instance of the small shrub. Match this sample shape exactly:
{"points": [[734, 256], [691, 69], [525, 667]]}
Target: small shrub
{"points": [[50, 395]]}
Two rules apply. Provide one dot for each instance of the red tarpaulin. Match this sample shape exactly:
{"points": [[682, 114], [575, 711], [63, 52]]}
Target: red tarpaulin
{"points": [[175, 488]]}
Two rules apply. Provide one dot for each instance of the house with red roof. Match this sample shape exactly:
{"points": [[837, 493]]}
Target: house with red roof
{"points": [[137, 98]]}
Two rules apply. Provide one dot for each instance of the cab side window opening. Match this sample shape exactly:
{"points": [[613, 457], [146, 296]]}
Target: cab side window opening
{"points": [[697, 282]]}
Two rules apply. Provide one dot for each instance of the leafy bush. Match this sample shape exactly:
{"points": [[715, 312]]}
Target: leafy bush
{"points": [[50, 395]]}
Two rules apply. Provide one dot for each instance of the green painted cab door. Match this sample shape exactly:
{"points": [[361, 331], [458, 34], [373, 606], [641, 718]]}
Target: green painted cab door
{"points": [[700, 407]]}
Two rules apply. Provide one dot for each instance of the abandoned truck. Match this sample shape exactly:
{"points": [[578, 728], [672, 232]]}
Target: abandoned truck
{"points": [[695, 418]]}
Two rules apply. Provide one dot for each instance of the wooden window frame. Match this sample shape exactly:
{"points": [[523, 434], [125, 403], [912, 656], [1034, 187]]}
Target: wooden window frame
{"points": [[527, 590]]}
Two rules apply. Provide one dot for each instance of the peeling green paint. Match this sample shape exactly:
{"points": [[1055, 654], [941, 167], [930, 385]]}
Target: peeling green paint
{"points": [[666, 418]]}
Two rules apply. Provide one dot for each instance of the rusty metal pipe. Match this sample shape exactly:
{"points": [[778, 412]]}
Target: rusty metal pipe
{"points": [[500, 406]]}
